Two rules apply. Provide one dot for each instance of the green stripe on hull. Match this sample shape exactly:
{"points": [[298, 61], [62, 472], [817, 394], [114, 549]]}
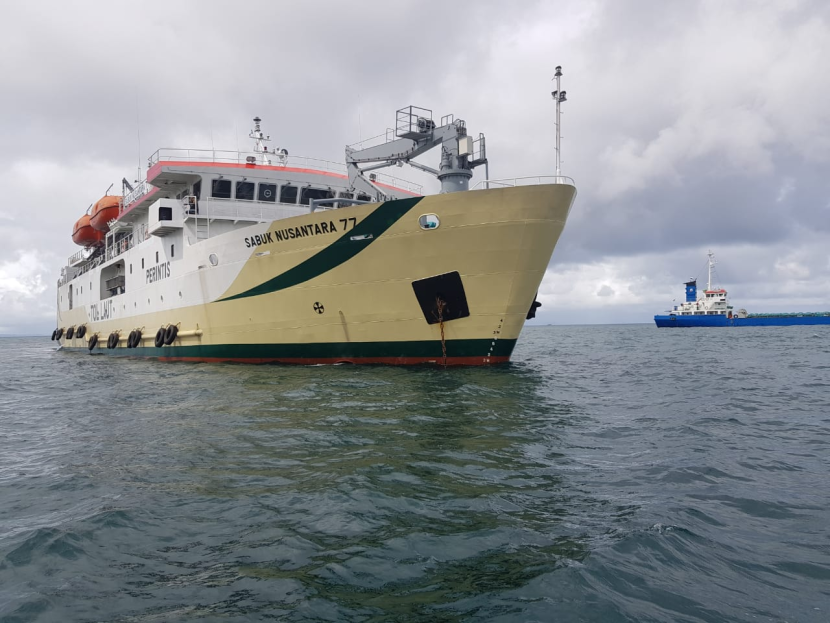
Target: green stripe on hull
{"points": [[335, 350], [341, 250]]}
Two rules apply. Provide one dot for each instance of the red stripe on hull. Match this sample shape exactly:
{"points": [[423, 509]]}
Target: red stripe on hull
{"points": [[394, 361]]}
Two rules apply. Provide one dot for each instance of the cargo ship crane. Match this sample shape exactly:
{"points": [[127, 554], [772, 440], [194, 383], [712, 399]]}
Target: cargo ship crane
{"points": [[416, 133]]}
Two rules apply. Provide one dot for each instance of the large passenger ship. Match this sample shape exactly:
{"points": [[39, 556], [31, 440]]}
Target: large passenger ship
{"points": [[263, 256]]}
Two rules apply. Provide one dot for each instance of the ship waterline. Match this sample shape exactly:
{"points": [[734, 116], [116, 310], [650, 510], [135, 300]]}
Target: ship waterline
{"points": [[366, 283]]}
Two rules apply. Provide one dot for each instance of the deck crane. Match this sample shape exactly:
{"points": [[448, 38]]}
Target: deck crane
{"points": [[416, 133]]}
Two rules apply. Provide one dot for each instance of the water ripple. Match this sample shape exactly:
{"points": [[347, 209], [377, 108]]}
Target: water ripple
{"points": [[608, 474]]}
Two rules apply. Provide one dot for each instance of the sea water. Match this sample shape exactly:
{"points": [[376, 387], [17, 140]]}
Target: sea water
{"points": [[610, 473]]}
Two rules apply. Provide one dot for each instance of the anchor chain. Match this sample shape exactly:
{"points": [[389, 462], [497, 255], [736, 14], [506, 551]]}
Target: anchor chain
{"points": [[441, 305]]}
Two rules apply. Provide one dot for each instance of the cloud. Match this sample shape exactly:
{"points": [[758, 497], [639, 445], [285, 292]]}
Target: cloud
{"points": [[703, 126], [22, 286]]}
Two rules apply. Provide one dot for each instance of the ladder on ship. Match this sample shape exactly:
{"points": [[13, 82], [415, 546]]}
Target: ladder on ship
{"points": [[201, 221], [202, 228]]}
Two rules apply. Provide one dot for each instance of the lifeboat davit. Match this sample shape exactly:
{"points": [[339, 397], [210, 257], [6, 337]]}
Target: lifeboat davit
{"points": [[84, 234], [103, 212]]}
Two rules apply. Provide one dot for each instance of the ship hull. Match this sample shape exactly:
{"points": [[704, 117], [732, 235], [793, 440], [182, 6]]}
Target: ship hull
{"points": [[724, 321], [337, 285]]}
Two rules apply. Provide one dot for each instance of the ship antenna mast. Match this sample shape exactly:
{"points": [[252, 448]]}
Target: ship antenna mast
{"points": [[558, 97], [260, 138], [711, 266]]}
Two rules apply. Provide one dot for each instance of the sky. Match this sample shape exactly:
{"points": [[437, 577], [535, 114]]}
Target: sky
{"points": [[689, 126]]}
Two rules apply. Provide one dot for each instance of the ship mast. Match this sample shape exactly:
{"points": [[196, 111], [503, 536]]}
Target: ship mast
{"points": [[558, 97], [260, 138], [711, 266]]}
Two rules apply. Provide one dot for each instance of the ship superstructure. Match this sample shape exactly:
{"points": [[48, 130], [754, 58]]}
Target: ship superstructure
{"points": [[263, 256], [713, 310]]}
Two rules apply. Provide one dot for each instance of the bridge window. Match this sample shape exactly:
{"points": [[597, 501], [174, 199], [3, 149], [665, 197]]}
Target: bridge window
{"points": [[245, 191], [288, 194], [310, 193], [221, 189], [267, 192]]}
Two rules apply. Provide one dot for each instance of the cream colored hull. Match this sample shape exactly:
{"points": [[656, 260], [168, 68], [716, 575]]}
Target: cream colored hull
{"points": [[347, 295]]}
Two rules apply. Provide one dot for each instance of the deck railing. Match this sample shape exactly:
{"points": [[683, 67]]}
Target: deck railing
{"points": [[169, 154], [530, 180]]}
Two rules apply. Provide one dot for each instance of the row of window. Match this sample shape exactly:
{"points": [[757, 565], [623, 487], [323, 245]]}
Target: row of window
{"points": [[268, 193]]}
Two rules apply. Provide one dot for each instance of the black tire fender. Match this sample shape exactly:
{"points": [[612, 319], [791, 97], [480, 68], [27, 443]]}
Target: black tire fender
{"points": [[93, 342], [130, 339], [59, 333], [137, 338], [80, 331], [112, 340], [54, 333], [170, 334], [70, 332], [159, 338]]}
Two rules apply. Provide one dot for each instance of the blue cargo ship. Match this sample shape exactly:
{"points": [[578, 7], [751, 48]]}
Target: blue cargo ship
{"points": [[713, 310]]}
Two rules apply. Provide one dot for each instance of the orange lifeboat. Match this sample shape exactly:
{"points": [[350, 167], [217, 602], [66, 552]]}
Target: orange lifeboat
{"points": [[103, 212], [84, 234]]}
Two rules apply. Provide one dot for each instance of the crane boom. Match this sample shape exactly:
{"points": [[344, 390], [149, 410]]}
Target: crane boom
{"points": [[416, 134]]}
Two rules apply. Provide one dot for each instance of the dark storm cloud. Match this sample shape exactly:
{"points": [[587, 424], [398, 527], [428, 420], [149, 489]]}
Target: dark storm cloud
{"points": [[689, 125]]}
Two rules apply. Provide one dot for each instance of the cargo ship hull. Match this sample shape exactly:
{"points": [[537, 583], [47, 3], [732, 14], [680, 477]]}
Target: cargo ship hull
{"points": [[735, 321]]}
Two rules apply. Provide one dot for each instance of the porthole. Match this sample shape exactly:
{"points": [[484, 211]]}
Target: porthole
{"points": [[214, 260], [429, 221]]}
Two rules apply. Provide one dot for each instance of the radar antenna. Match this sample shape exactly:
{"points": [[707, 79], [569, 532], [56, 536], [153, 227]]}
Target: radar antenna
{"points": [[261, 148]]}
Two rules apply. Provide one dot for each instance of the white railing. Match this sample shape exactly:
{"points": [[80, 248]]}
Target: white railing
{"points": [[69, 275], [121, 246], [530, 180], [168, 154], [80, 256], [254, 211]]}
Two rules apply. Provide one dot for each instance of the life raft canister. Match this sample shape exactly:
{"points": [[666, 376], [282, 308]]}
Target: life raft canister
{"points": [[103, 212]]}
